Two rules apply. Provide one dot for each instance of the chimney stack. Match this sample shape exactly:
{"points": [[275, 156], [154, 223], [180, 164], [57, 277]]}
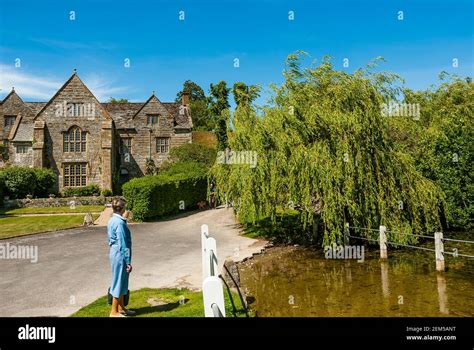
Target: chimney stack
{"points": [[185, 98]]}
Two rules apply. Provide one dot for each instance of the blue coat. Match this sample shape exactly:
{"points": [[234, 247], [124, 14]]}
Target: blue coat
{"points": [[120, 243]]}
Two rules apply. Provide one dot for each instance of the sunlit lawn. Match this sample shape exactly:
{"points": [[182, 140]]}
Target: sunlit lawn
{"points": [[22, 225], [53, 210], [174, 302]]}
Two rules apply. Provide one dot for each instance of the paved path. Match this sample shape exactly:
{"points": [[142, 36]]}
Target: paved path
{"points": [[73, 267]]}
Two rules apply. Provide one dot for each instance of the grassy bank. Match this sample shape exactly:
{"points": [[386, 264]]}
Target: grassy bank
{"points": [[22, 225], [54, 210], [150, 302]]}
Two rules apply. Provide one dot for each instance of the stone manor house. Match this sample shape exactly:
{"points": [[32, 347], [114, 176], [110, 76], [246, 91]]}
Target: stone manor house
{"points": [[86, 142]]}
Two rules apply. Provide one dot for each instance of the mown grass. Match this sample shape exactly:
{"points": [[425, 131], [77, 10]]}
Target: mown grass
{"points": [[22, 225], [54, 210], [172, 302]]}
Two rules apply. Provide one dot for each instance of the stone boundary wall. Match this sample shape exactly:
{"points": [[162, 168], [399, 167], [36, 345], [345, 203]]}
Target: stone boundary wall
{"points": [[56, 202]]}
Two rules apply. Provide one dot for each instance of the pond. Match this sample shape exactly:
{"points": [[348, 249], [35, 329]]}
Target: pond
{"points": [[296, 281]]}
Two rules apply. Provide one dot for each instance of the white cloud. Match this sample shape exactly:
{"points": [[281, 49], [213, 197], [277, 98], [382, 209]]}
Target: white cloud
{"points": [[27, 85], [101, 87], [37, 87]]}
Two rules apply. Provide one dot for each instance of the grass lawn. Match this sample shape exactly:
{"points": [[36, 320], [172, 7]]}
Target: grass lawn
{"points": [[54, 210], [150, 302], [22, 225]]}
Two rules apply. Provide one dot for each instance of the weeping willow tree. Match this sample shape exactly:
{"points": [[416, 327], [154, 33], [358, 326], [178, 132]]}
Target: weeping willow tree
{"points": [[322, 147]]}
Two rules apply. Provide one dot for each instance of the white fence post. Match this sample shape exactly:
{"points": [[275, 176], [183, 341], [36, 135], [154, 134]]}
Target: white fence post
{"points": [[205, 263], [212, 291], [213, 294], [383, 242], [439, 247], [211, 257]]}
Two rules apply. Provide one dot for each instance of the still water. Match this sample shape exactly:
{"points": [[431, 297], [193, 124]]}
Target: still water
{"points": [[294, 281]]}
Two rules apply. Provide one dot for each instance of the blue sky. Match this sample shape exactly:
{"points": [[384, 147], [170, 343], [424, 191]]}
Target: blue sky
{"points": [[165, 51]]}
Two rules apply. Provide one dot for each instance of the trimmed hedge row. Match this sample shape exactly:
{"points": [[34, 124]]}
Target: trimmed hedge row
{"points": [[181, 187]]}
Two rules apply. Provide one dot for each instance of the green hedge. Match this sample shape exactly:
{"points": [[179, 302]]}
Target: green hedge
{"points": [[153, 196], [21, 181], [81, 191]]}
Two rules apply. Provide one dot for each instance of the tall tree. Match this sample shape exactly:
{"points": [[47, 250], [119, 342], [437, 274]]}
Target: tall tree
{"points": [[323, 145], [440, 141], [244, 94], [199, 105], [219, 108]]}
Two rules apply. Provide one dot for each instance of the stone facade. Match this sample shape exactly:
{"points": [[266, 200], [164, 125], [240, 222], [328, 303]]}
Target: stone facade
{"points": [[86, 142]]}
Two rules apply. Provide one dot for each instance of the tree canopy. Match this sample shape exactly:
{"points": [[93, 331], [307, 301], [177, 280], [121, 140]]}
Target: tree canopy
{"points": [[324, 148]]}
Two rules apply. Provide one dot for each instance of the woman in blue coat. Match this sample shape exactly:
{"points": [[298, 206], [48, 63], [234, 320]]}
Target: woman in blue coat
{"points": [[120, 243]]}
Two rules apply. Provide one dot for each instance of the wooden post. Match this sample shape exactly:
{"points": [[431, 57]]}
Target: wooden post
{"points": [[383, 242], [439, 246]]}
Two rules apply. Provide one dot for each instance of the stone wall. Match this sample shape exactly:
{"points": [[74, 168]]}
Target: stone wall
{"points": [[56, 202]]}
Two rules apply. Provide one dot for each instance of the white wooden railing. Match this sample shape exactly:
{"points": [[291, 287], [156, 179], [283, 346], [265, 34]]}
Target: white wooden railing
{"points": [[212, 291]]}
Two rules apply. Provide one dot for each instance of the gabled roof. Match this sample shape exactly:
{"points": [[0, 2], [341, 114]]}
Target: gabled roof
{"points": [[122, 113], [35, 106], [11, 93], [74, 75], [146, 102]]}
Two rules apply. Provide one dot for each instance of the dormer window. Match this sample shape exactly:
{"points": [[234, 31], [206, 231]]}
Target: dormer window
{"points": [[10, 120], [75, 109]]}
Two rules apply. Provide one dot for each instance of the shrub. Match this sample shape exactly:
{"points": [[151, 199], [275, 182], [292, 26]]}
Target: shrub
{"points": [[81, 191], [19, 181], [192, 152], [152, 196], [45, 182], [106, 192]]}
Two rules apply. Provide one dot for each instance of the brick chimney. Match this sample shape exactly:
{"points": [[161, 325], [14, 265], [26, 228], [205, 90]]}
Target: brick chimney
{"points": [[185, 98]]}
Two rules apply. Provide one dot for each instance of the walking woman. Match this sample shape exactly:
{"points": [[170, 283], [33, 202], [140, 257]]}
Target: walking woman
{"points": [[120, 243]]}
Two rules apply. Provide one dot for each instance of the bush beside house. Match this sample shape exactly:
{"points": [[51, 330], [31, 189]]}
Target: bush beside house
{"points": [[181, 187], [19, 182]]}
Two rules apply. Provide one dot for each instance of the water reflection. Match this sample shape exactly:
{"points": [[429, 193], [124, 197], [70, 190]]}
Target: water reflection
{"points": [[442, 295], [292, 281]]}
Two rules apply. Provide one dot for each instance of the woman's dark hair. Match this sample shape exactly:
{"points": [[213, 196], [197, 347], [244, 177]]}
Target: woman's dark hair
{"points": [[118, 204]]}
